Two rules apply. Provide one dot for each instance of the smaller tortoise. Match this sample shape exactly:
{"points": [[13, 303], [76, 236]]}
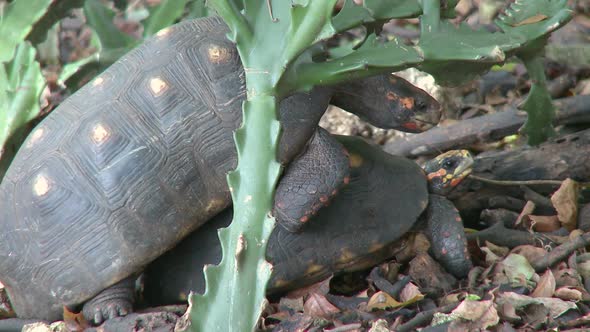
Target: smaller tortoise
{"points": [[384, 199], [137, 159]]}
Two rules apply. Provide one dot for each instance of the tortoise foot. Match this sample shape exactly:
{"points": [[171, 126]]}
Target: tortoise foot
{"points": [[112, 302]]}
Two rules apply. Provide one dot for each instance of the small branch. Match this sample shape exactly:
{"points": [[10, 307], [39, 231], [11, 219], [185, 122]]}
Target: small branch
{"points": [[561, 252], [425, 317], [485, 128], [502, 236], [515, 183]]}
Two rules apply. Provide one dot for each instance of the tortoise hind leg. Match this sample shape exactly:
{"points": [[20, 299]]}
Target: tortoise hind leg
{"points": [[112, 302], [311, 181]]}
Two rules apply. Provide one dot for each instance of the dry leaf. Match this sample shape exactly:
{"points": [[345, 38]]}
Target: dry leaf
{"points": [[491, 257], [380, 325], [295, 304], [322, 287], [508, 313], [318, 306], [498, 250], [513, 269], [531, 253], [567, 277], [565, 201], [557, 307], [528, 208], [543, 223], [568, 293], [410, 292], [481, 314], [382, 301], [412, 245], [36, 327], [545, 286], [74, 321]]}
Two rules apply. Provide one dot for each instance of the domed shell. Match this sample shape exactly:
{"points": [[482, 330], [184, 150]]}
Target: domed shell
{"points": [[122, 170]]}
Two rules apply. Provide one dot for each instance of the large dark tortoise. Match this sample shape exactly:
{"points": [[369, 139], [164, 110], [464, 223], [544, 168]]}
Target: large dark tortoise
{"points": [[137, 159], [384, 199]]}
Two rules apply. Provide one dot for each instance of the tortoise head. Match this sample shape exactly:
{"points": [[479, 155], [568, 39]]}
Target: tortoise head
{"points": [[447, 170], [388, 102]]}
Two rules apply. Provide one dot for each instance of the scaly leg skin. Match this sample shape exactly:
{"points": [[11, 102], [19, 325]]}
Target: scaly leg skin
{"points": [[447, 235], [311, 181], [112, 302]]}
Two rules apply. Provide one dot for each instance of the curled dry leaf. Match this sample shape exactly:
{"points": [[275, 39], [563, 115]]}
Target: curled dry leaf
{"points": [[528, 209], [318, 306], [557, 307], [382, 301], [479, 314], [412, 245], [508, 313], [531, 253], [380, 325], [491, 256], [569, 294], [513, 269], [295, 304], [410, 292], [545, 286], [542, 223], [498, 250], [567, 277], [74, 321], [322, 287], [6, 310], [565, 201]]}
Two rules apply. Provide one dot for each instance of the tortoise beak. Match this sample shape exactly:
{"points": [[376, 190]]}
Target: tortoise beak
{"points": [[465, 166]]}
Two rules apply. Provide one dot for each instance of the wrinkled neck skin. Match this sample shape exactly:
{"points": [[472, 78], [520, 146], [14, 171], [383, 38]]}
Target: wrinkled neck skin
{"points": [[435, 186]]}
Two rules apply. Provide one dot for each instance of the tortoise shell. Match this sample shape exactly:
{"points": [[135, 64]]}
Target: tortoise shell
{"points": [[126, 167], [383, 201]]}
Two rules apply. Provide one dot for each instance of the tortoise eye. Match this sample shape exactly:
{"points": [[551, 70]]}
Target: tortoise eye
{"points": [[449, 164]]}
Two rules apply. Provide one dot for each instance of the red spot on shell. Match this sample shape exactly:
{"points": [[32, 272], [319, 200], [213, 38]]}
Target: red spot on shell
{"points": [[304, 219], [334, 192], [346, 180], [444, 251], [323, 199], [280, 205], [458, 219]]}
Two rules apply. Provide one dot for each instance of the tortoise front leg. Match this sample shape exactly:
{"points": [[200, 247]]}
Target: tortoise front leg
{"points": [[311, 181], [112, 302], [447, 236]]}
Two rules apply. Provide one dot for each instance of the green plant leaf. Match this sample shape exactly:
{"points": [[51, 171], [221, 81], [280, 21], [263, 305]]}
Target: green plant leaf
{"points": [[55, 12], [16, 21], [538, 104], [236, 287], [21, 84], [196, 9], [100, 19], [373, 57], [163, 15]]}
